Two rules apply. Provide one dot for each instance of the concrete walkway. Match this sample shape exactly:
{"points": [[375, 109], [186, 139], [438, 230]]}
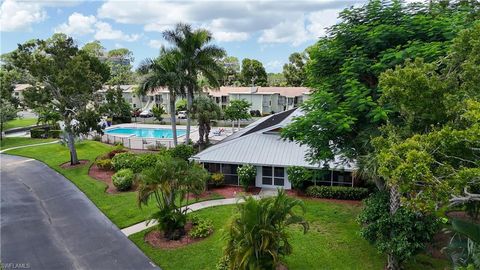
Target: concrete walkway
{"points": [[191, 208], [28, 145]]}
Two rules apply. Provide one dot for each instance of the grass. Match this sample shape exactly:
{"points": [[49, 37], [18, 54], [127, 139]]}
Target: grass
{"points": [[121, 209], [333, 242], [9, 142], [20, 122]]}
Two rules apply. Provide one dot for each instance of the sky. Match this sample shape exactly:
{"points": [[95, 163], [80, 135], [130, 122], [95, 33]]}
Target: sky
{"points": [[268, 31]]}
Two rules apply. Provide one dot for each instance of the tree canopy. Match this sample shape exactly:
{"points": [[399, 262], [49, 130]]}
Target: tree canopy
{"points": [[294, 70], [344, 69], [253, 73]]}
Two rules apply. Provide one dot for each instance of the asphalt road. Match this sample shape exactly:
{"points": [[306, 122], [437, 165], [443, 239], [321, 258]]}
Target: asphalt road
{"points": [[48, 223]]}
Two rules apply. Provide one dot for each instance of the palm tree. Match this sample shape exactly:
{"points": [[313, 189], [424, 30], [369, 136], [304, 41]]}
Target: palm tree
{"points": [[204, 109], [168, 184], [257, 236], [197, 57], [165, 71]]}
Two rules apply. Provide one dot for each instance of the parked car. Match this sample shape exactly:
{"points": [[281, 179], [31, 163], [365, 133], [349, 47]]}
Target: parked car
{"points": [[146, 113], [182, 115]]}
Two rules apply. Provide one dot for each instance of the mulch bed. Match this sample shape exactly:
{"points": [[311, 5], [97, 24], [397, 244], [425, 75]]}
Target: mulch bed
{"points": [[67, 165], [232, 191], [105, 176], [155, 239]]}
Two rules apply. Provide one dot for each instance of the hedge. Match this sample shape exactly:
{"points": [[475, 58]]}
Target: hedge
{"points": [[40, 133], [337, 192]]}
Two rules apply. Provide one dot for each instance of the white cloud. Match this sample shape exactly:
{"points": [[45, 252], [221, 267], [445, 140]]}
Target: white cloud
{"points": [[19, 16], [230, 36], [156, 44], [105, 31], [273, 65], [78, 25], [275, 21]]}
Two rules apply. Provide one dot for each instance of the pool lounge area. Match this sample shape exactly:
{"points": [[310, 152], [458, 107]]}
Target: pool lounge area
{"points": [[142, 132]]}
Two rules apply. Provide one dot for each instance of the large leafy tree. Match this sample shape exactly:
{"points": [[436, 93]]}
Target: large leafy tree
{"points": [[165, 71], [344, 67], [253, 73], [198, 57], [231, 67], [294, 70], [205, 110], [237, 110], [68, 76], [168, 184], [116, 106], [257, 236]]}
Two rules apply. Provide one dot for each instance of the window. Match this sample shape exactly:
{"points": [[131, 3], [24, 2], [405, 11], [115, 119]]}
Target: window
{"points": [[230, 172], [212, 167], [266, 175], [273, 176]]}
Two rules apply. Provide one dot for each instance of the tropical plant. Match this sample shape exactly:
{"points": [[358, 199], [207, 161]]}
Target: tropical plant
{"points": [[205, 110], [197, 57], [158, 112], [246, 175], [217, 179], [165, 71], [168, 183], [115, 106], [123, 160], [257, 236], [464, 247]]}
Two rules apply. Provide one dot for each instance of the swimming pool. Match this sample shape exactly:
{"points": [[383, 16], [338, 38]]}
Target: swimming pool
{"points": [[157, 133]]}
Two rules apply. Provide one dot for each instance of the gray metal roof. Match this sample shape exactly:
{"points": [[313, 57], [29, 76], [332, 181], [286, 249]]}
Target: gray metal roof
{"points": [[265, 148]]}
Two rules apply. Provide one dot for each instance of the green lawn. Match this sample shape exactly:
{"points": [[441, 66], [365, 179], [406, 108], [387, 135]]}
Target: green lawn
{"points": [[20, 122], [121, 209], [333, 242], [8, 142]]}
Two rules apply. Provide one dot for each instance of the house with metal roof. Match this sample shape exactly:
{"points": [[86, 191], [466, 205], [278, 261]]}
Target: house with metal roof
{"points": [[261, 145]]}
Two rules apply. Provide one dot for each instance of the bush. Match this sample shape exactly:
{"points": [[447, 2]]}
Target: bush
{"points": [[123, 161], [104, 164], [182, 151], [123, 179], [337, 192], [201, 227], [45, 133], [246, 175], [298, 176], [404, 234], [54, 133], [217, 179], [223, 263], [144, 161]]}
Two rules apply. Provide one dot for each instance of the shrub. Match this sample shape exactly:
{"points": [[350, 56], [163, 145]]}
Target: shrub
{"points": [[144, 161], [104, 164], [54, 133], [114, 152], [298, 176], [201, 227], [217, 179], [182, 151], [123, 179], [246, 175], [337, 192], [97, 138], [45, 133], [123, 161], [404, 234]]}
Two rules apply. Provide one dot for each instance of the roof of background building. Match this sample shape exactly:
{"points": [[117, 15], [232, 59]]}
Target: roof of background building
{"points": [[258, 90], [21, 87], [260, 144]]}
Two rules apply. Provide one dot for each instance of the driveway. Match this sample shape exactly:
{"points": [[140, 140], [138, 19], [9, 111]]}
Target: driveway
{"points": [[48, 223]]}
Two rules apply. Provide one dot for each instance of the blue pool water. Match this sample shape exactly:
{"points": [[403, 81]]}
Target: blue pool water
{"points": [[145, 132]]}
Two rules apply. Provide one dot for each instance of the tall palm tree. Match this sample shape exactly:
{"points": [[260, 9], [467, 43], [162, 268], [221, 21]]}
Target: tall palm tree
{"points": [[197, 57], [257, 236], [204, 109], [165, 71]]}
